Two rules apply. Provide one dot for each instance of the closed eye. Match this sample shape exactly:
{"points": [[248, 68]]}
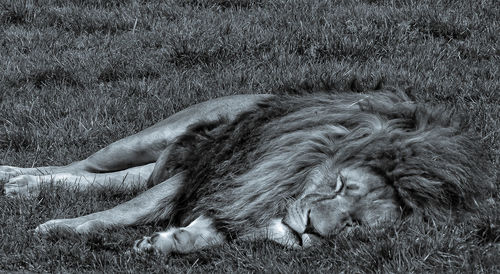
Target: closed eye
{"points": [[340, 183]]}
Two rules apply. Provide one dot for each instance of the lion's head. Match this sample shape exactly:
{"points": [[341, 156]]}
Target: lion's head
{"points": [[322, 163], [334, 201]]}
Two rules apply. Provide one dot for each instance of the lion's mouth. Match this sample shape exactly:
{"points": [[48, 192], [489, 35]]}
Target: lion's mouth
{"points": [[297, 236], [305, 239]]}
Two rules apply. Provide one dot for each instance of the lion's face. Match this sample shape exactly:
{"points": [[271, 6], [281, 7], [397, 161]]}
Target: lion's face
{"points": [[335, 201]]}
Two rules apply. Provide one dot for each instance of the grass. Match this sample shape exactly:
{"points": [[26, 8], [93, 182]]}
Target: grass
{"points": [[76, 75]]}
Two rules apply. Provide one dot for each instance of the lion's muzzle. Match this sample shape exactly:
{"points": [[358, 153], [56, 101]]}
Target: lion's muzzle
{"points": [[300, 239]]}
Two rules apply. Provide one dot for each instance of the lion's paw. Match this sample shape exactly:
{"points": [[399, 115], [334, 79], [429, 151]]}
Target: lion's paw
{"points": [[74, 225], [24, 185], [174, 240], [145, 245], [53, 225], [7, 172]]}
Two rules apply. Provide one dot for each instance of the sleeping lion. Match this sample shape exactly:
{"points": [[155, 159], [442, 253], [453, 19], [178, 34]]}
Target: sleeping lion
{"points": [[291, 169]]}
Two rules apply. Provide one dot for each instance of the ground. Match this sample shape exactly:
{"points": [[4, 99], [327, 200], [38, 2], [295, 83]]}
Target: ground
{"points": [[76, 75]]}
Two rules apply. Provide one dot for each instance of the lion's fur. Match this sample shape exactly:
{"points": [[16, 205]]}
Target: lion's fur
{"points": [[244, 172]]}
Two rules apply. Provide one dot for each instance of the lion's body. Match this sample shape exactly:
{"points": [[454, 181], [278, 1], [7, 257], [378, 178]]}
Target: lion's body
{"points": [[291, 169]]}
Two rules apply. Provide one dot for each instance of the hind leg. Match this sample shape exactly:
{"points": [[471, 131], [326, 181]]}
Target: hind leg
{"points": [[146, 146], [125, 179], [8, 172]]}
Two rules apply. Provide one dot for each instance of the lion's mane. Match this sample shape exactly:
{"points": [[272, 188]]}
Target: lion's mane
{"points": [[244, 172]]}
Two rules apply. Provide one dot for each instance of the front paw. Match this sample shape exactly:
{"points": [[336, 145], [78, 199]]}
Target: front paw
{"points": [[174, 240], [22, 185], [146, 245]]}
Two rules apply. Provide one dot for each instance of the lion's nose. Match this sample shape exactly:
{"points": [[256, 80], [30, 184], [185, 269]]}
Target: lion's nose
{"points": [[309, 226], [347, 220]]}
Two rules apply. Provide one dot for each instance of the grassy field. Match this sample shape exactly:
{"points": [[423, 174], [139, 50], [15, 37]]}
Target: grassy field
{"points": [[76, 75]]}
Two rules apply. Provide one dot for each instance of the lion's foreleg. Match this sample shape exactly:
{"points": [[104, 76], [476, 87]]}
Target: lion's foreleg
{"points": [[197, 235], [132, 212]]}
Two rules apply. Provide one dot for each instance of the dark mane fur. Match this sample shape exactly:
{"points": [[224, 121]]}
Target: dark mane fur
{"points": [[243, 172]]}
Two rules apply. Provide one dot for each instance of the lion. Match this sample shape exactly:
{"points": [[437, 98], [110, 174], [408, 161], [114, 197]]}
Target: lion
{"points": [[293, 169]]}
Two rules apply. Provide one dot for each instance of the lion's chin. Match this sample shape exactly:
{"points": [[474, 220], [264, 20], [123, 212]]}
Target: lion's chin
{"points": [[310, 240]]}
